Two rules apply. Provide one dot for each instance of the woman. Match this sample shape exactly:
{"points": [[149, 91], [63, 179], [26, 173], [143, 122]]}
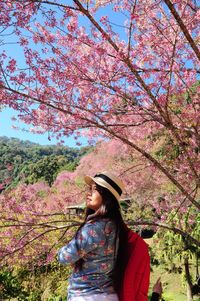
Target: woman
{"points": [[98, 246]]}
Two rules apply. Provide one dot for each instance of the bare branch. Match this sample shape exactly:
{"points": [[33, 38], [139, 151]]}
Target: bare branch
{"points": [[55, 4], [173, 229], [183, 27]]}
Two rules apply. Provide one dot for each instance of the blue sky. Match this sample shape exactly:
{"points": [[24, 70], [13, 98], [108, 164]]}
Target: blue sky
{"points": [[6, 114], [6, 129]]}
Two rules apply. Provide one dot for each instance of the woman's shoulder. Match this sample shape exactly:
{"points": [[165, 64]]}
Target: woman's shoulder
{"points": [[101, 220], [98, 228], [101, 223]]}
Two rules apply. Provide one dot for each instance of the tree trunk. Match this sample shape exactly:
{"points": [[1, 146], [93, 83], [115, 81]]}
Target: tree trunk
{"points": [[189, 293], [188, 279]]}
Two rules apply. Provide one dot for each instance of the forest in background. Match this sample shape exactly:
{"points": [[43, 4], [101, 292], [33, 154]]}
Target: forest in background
{"points": [[28, 162]]}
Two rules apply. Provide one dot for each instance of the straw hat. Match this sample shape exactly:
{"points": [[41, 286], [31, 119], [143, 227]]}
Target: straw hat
{"points": [[108, 180]]}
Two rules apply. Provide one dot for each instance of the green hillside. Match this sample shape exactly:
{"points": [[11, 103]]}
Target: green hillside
{"points": [[29, 162]]}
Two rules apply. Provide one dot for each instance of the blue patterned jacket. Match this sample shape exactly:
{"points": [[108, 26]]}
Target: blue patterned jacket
{"points": [[96, 244]]}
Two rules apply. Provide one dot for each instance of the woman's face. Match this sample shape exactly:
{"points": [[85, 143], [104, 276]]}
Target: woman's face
{"points": [[94, 198]]}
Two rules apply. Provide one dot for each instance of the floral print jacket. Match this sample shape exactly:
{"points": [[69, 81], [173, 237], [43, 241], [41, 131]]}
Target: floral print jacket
{"points": [[96, 243]]}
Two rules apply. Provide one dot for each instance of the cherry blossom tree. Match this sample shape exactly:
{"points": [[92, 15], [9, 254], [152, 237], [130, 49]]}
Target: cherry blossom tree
{"points": [[34, 218]]}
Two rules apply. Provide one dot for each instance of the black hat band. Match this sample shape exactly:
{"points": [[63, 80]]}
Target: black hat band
{"points": [[109, 181]]}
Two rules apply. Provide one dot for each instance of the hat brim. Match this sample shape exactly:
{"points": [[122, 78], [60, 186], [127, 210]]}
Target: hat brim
{"points": [[89, 180]]}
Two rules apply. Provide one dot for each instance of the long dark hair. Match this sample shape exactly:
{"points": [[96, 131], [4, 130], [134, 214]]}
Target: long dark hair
{"points": [[110, 208]]}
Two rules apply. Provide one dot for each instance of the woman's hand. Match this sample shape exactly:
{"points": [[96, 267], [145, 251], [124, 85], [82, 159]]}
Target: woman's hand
{"points": [[157, 288]]}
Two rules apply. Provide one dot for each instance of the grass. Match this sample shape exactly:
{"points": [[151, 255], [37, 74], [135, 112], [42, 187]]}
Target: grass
{"points": [[173, 289]]}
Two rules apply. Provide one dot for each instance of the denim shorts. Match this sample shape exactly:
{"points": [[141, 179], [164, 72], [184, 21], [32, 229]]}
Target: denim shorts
{"points": [[96, 297]]}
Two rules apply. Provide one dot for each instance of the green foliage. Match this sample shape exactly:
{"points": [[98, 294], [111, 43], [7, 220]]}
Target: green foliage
{"points": [[30, 162], [168, 297], [46, 283], [10, 286], [173, 150], [171, 249], [174, 251], [46, 169]]}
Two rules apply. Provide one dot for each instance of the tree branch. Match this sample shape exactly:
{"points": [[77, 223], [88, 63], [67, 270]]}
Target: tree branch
{"points": [[174, 229], [183, 28]]}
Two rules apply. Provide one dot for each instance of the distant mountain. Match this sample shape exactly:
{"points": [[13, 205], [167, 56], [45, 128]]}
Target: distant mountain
{"points": [[29, 162]]}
